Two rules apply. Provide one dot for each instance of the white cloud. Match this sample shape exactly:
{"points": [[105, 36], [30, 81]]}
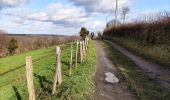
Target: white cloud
{"points": [[100, 6], [69, 14], [56, 16], [94, 25], [65, 11], [11, 3], [57, 13], [62, 18]]}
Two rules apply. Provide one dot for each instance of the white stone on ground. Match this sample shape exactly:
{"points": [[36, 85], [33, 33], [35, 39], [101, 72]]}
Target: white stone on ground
{"points": [[111, 78]]}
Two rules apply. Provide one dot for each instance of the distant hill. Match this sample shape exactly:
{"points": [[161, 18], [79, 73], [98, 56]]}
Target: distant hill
{"points": [[37, 35]]}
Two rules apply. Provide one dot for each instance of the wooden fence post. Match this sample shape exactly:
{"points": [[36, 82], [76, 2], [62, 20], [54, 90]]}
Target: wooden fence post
{"points": [[29, 75], [58, 75], [86, 43], [84, 51], [77, 47], [85, 47], [81, 52], [71, 59]]}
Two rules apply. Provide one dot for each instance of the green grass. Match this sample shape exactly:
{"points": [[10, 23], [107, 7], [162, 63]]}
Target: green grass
{"points": [[11, 62], [156, 52], [78, 86], [142, 87]]}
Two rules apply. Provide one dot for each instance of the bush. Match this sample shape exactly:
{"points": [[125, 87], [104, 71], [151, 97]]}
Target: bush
{"points": [[12, 46]]}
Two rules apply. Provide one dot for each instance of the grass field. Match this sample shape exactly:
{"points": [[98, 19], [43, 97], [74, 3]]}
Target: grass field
{"points": [[157, 52], [77, 87], [142, 87], [12, 62]]}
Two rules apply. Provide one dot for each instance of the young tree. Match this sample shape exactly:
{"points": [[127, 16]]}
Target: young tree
{"points": [[125, 11], [92, 35], [12, 46], [84, 32], [107, 25]]}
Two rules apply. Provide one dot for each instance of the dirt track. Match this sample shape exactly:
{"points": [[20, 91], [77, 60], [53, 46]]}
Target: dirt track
{"points": [[155, 72], [108, 91]]}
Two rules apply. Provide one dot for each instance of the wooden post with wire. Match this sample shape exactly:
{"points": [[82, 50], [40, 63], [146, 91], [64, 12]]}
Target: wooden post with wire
{"points": [[84, 51], [81, 52], [85, 42], [71, 59], [77, 47], [29, 75], [58, 74]]}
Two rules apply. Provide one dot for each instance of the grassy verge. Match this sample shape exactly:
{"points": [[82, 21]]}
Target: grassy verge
{"points": [[144, 88], [156, 52], [79, 86]]}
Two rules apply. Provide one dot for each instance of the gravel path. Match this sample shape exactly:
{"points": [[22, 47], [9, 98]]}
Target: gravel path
{"points": [[155, 72], [108, 91]]}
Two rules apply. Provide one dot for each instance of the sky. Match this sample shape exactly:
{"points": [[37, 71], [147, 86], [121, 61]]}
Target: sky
{"points": [[66, 17]]}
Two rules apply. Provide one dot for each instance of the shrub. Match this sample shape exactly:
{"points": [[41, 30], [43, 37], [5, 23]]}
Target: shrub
{"points": [[12, 46]]}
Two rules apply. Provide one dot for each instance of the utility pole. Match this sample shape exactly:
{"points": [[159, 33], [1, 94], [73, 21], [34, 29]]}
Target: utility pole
{"points": [[116, 14]]}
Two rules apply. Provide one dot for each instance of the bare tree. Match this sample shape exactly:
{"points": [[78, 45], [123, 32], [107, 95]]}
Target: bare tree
{"points": [[107, 25], [125, 11]]}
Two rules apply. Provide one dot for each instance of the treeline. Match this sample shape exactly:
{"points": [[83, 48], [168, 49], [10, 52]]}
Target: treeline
{"points": [[156, 29], [14, 44]]}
